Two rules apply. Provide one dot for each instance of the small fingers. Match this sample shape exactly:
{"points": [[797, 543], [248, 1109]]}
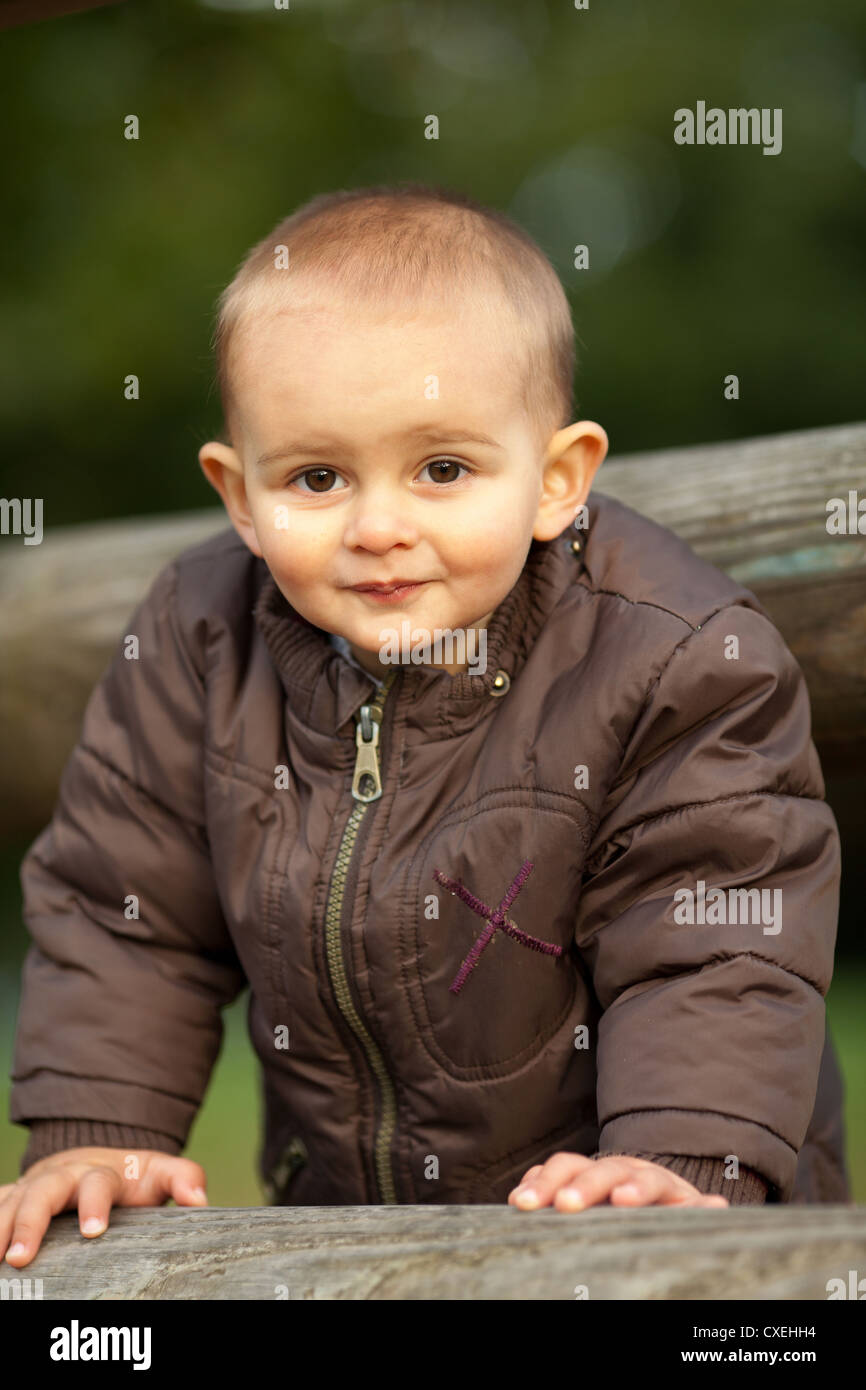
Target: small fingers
{"points": [[527, 1177], [572, 1182], [99, 1187], [539, 1186], [27, 1219], [10, 1200], [661, 1187], [640, 1182], [187, 1183], [650, 1186], [644, 1185]]}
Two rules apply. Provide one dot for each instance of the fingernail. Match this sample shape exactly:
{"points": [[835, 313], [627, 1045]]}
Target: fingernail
{"points": [[572, 1196], [16, 1249], [526, 1197], [199, 1194], [92, 1226]]}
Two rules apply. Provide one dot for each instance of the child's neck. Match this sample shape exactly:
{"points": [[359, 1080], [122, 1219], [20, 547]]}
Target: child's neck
{"points": [[473, 640]]}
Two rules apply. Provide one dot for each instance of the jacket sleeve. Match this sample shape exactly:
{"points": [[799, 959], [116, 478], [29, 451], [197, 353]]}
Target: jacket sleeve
{"points": [[50, 1136], [712, 1031], [130, 962]]}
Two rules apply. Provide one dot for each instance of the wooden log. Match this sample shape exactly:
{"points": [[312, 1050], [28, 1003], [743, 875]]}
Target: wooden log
{"points": [[452, 1252], [63, 606], [756, 508]]}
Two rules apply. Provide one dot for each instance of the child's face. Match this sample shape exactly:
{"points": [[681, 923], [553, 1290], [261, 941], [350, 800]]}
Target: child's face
{"points": [[356, 501]]}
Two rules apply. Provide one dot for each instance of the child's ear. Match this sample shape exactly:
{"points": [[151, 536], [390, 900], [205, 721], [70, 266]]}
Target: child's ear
{"points": [[224, 471], [573, 458]]}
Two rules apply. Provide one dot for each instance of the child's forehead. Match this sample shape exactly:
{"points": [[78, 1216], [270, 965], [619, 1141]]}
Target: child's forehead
{"points": [[476, 339], [328, 314], [381, 400]]}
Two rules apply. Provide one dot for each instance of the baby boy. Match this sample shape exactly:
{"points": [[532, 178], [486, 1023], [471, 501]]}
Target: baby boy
{"points": [[452, 874]]}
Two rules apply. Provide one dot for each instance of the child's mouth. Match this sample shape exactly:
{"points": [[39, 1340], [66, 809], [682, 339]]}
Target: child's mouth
{"points": [[386, 594]]}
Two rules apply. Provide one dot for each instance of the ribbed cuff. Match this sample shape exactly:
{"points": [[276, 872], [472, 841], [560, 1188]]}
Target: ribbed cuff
{"points": [[50, 1136], [708, 1176]]}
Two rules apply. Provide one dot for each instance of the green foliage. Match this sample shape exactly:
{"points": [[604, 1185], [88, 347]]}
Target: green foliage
{"points": [[704, 261]]}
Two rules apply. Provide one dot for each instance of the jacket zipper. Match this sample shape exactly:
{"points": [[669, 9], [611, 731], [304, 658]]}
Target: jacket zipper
{"points": [[366, 788]]}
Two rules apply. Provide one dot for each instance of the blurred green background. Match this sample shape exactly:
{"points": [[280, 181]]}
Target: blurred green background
{"points": [[703, 261]]}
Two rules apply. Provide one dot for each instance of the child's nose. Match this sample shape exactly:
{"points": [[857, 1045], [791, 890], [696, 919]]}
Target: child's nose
{"points": [[379, 521]]}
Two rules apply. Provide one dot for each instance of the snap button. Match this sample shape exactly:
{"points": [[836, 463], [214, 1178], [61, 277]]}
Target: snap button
{"points": [[501, 684], [576, 546]]}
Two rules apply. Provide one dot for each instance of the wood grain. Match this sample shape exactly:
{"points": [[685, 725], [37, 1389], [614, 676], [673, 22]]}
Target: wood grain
{"points": [[453, 1252]]}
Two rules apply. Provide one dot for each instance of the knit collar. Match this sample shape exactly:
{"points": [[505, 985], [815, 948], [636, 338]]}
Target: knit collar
{"points": [[325, 691]]}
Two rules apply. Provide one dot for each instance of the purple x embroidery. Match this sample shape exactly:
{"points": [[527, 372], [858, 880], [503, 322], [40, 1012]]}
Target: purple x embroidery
{"points": [[495, 918]]}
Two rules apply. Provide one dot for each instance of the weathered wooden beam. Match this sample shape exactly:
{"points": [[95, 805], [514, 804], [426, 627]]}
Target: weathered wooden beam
{"points": [[453, 1252], [756, 508], [63, 606]]}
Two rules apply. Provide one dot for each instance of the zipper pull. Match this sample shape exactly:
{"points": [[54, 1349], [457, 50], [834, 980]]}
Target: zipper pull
{"points": [[366, 783], [366, 775]]}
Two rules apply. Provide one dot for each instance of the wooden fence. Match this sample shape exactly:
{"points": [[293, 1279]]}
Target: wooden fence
{"points": [[453, 1252]]}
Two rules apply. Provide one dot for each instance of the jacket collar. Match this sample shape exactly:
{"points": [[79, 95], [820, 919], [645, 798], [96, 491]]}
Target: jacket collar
{"points": [[325, 691]]}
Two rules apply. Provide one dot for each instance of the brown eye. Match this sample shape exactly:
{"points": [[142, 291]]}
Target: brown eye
{"points": [[319, 479], [437, 467]]}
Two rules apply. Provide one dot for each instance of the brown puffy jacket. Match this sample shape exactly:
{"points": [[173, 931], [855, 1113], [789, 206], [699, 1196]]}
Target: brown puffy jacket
{"points": [[207, 835]]}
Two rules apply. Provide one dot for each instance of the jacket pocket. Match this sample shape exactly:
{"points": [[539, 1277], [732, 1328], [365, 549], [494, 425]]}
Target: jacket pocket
{"points": [[279, 1180], [484, 1002]]}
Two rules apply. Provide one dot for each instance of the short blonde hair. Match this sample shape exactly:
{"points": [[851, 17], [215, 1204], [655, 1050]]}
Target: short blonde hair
{"points": [[389, 244]]}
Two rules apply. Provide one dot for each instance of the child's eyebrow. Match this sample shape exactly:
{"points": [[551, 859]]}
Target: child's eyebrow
{"points": [[328, 446]]}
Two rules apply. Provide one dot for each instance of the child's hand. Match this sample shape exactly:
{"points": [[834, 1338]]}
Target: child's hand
{"points": [[572, 1182], [95, 1179]]}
